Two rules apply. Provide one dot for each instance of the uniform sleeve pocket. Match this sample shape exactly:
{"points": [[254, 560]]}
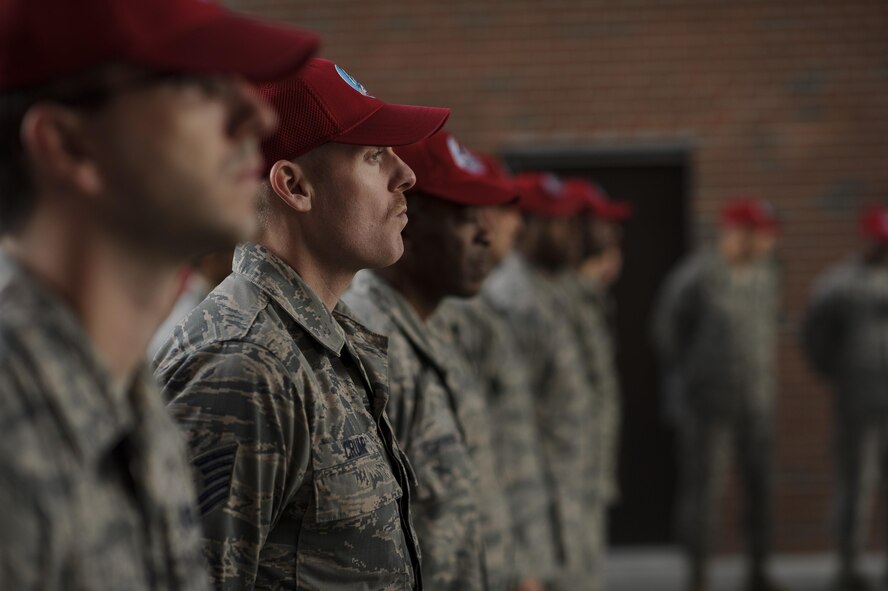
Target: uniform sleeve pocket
{"points": [[352, 478]]}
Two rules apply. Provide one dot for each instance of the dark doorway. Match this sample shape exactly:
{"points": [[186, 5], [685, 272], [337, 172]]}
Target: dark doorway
{"points": [[656, 182]]}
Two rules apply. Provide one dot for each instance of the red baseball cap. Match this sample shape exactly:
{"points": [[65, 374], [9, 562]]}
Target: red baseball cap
{"points": [[324, 103], [544, 194], [446, 169], [874, 223], [496, 166], [597, 201], [43, 40], [748, 212]]}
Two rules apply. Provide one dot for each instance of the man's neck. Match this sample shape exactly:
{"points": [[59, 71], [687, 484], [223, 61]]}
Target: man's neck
{"points": [[422, 302], [541, 263], [118, 297], [326, 283]]}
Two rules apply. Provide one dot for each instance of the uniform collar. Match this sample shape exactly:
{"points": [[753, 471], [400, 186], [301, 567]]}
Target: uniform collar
{"points": [[79, 388], [283, 285], [508, 286]]}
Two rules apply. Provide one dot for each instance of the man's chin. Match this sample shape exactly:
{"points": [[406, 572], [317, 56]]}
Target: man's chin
{"points": [[468, 290], [388, 259]]}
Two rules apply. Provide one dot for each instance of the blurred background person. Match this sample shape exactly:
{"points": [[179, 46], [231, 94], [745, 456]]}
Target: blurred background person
{"points": [[526, 291], [485, 342], [280, 393], [586, 289], [715, 329], [845, 336]]}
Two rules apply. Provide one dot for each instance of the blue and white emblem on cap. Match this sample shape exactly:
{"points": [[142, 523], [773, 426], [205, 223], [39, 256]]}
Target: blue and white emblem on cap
{"points": [[349, 79], [553, 186], [464, 158]]}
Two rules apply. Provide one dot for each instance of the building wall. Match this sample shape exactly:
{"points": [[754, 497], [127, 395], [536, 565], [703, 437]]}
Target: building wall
{"points": [[782, 99]]}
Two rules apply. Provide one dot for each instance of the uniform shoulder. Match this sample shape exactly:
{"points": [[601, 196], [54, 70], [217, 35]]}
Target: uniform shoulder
{"points": [[692, 269], [32, 471], [234, 374], [468, 317], [845, 271], [360, 307], [236, 316], [839, 278], [510, 288], [451, 313], [699, 262]]}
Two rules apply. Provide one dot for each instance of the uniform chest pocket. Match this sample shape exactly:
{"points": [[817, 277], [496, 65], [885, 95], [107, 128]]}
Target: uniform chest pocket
{"points": [[352, 477]]}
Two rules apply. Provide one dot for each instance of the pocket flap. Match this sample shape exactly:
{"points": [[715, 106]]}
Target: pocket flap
{"points": [[356, 480]]}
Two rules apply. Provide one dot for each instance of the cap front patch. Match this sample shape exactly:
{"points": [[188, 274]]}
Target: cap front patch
{"points": [[464, 158], [349, 79], [553, 186]]}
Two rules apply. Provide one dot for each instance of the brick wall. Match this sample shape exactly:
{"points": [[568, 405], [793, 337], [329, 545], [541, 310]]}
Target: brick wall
{"points": [[784, 99]]}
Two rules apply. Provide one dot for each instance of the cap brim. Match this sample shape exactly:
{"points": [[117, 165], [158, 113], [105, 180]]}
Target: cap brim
{"points": [[619, 212], [548, 212], [478, 192], [395, 125], [231, 44]]}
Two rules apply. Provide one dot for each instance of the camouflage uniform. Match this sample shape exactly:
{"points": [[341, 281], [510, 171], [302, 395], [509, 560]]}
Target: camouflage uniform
{"points": [[715, 328], [846, 338], [94, 486], [587, 301], [485, 342], [301, 482], [440, 418], [534, 309]]}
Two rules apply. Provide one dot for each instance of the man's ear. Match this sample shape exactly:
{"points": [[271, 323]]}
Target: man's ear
{"points": [[57, 148], [288, 182]]}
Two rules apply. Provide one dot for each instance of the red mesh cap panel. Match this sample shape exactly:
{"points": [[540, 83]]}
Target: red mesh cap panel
{"points": [[304, 121]]}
